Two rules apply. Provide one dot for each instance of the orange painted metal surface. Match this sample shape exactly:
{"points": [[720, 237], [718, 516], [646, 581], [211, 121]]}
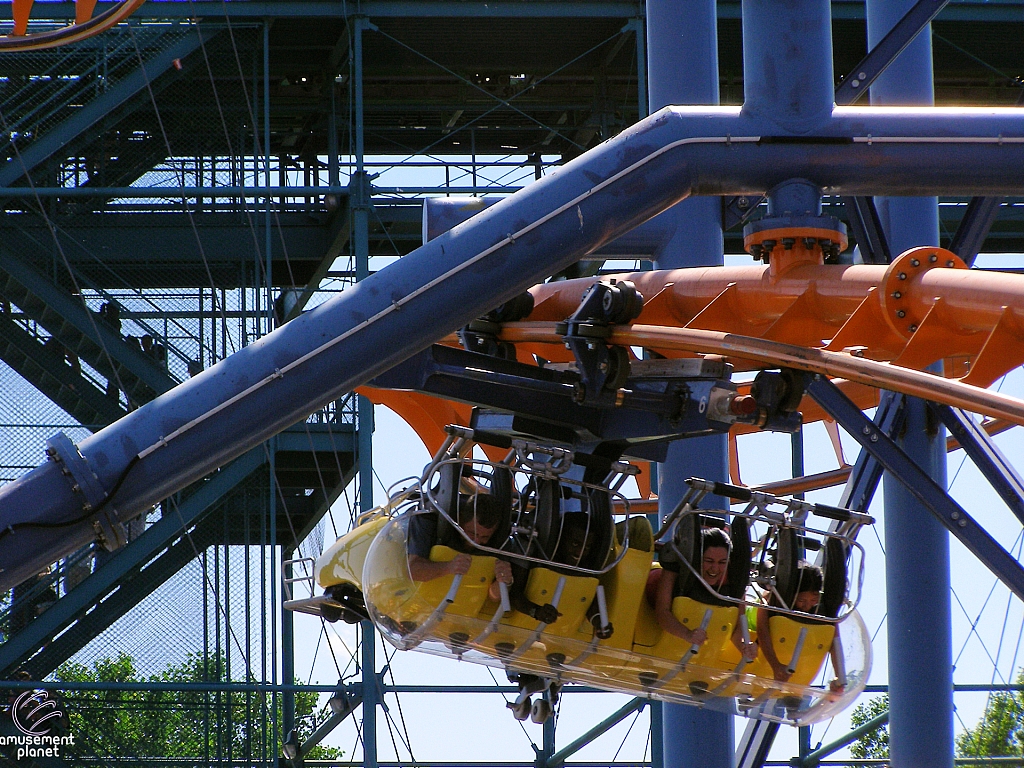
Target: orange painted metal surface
{"points": [[85, 25], [774, 354], [910, 314], [868, 325]]}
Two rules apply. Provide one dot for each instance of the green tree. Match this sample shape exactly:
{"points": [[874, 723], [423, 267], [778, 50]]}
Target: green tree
{"points": [[1000, 732], [875, 744], [181, 724]]}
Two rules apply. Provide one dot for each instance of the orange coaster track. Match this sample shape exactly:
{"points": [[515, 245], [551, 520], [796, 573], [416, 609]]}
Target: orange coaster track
{"points": [[870, 326], [85, 25]]}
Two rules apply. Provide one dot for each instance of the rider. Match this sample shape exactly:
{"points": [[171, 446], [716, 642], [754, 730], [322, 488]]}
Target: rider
{"points": [[722, 574], [479, 516]]}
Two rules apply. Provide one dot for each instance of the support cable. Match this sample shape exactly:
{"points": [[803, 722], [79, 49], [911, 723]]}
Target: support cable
{"points": [[67, 264]]}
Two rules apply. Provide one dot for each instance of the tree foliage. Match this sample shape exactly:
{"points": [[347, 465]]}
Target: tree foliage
{"points": [[178, 723], [875, 744], [1000, 732]]}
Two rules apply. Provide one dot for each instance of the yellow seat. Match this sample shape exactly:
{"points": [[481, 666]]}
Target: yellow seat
{"points": [[472, 592], [817, 643], [577, 594]]}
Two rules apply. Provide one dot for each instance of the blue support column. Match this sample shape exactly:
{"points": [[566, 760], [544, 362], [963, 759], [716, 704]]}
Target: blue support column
{"points": [[787, 62], [682, 68], [917, 547], [361, 242]]}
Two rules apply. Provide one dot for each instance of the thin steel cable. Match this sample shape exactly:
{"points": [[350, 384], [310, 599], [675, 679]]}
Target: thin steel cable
{"points": [[501, 693], [64, 259], [628, 731], [257, 146], [170, 154], [535, 83]]}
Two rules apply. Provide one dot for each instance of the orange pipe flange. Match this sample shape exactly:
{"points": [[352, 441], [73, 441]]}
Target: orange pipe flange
{"points": [[970, 319]]}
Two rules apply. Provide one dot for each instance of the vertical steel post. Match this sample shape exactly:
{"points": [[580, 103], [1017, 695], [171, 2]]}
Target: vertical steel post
{"points": [[287, 656], [787, 62], [267, 239], [682, 68], [361, 238], [917, 547], [275, 733]]}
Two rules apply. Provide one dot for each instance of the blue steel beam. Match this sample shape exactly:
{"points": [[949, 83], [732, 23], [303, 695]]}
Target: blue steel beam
{"points": [[917, 574], [986, 455], [682, 67], [171, 193], [559, 758], [99, 107], [886, 50], [443, 285], [125, 562], [970, 235], [867, 471], [867, 229], [756, 743], [950, 514], [148, 561], [978, 219], [261, 9]]}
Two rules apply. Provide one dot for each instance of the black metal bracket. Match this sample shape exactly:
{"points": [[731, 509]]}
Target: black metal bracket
{"points": [[603, 368]]}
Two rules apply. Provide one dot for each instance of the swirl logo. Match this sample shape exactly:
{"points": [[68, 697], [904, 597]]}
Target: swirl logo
{"points": [[32, 712]]}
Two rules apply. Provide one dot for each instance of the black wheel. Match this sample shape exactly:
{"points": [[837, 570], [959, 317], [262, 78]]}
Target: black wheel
{"points": [[541, 711], [514, 309], [622, 302], [618, 368]]}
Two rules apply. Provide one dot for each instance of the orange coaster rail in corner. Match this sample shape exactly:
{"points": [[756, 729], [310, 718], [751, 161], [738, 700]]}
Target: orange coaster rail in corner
{"points": [[854, 321], [85, 25]]}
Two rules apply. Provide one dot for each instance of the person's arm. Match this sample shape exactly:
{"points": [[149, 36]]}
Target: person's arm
{"points": [[663, 611], [747, 650], [764, 639], [838, 683], [502, 575], [424, 569], [545, 614]]}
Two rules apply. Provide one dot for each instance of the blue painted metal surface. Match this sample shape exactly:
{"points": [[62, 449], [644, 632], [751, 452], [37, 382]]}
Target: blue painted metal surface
{"points": [[917, 547], [314, 359], [867, 229], [986, 455], [885, 51], [867, 471], [974, 227], [682, 67], [787, 62], [924, 489], [967, 10], [105, 579]]}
